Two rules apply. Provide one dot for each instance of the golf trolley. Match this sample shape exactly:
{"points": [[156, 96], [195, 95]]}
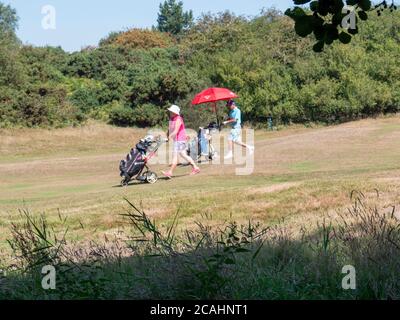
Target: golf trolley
{"points": [[135, 166], [202, 145]]}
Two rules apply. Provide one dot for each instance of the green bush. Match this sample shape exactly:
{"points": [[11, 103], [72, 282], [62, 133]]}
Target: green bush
{"points": [[114, 87], [146, 115], [43, 64], [102, 113], [85, 98], [274, 72], [122, 116], [38, 106]]}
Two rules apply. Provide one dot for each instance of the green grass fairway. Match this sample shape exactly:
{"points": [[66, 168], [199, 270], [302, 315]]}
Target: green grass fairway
{"points": [[299, 173]]}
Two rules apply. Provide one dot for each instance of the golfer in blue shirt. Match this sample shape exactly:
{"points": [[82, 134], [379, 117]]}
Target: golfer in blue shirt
{"points": [[235, 120]]}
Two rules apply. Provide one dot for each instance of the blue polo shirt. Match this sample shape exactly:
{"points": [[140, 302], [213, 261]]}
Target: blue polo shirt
{"points": [[237, 115]]}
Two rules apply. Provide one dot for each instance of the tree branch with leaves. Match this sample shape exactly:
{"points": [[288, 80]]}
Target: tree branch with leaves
{"points": [[329, 20]]}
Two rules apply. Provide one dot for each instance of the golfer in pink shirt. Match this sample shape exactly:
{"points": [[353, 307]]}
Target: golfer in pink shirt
{"points": [[177, 133]]}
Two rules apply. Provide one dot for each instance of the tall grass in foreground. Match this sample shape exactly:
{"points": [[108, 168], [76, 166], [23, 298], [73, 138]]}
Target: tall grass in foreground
{"points": [[226, 262]]}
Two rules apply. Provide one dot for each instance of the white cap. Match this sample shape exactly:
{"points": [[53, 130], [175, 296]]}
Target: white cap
{"points": [[175, 109]]}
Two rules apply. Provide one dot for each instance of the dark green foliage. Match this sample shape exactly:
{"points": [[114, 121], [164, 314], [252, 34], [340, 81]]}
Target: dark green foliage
{"points": [[172, 19], [122, 116], [114, 87], [129, 82], [325, 19], [37, 106], [86, 98], [276, 74], [45, 64], [147, 115]]}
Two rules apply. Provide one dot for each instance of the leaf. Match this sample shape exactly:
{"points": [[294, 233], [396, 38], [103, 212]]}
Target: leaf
{"points": [[319, 32], [319, 46], [301, 1], [332, 33], [314, 6], [295, 13], [344, 37], [337, 18], [328, 40], [365, 4], [363, 15], [303, 26], [323, 8], [353, 31], [317, 20]]}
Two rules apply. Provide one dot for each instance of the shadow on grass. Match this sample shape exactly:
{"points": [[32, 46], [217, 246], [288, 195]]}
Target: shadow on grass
{"points": [[229, 261], [137, 183]]}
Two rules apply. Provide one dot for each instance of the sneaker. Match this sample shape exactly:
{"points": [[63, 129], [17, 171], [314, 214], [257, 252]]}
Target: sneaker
{"points": [[195, 171], [167, 174]]}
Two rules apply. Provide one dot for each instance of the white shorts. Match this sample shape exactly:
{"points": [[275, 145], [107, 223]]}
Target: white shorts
{"points": [[179, 146], [235, 135]]}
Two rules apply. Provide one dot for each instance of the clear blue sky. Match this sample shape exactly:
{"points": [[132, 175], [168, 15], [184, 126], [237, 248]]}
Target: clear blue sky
{"points": [[85, 22]]}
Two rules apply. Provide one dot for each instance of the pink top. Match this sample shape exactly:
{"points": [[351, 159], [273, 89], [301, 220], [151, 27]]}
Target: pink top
{"points": [[181, 135]]}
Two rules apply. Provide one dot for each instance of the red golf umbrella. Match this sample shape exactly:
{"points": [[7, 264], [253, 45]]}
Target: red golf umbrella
{"points": [[213, 95]]}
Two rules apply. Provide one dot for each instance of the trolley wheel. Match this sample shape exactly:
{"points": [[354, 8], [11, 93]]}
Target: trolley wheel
{"points": [[151, 177], [125, 182]]}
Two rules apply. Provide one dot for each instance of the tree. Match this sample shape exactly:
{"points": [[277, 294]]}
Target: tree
{"points": [[331, 20], [8, 21], [172, 19]]}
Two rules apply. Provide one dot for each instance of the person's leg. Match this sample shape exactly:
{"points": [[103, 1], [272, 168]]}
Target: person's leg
{"points": [[229, 155], [230, 146], [240, 143], [232, 137], [174, 164], [180, 150], [235, 138], [189, 159]]}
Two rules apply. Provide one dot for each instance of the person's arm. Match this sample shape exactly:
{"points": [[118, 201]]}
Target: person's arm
{"points": [[176, 130], [232, 119], [229, 121]]}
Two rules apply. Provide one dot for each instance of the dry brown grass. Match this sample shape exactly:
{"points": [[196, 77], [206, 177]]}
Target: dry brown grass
{"points": [[93, 138], [75, 170]]}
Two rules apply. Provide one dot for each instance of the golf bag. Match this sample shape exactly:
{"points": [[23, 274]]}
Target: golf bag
{"points": [[204, 137], [201, 146], [193, 149], [135, 160]]}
